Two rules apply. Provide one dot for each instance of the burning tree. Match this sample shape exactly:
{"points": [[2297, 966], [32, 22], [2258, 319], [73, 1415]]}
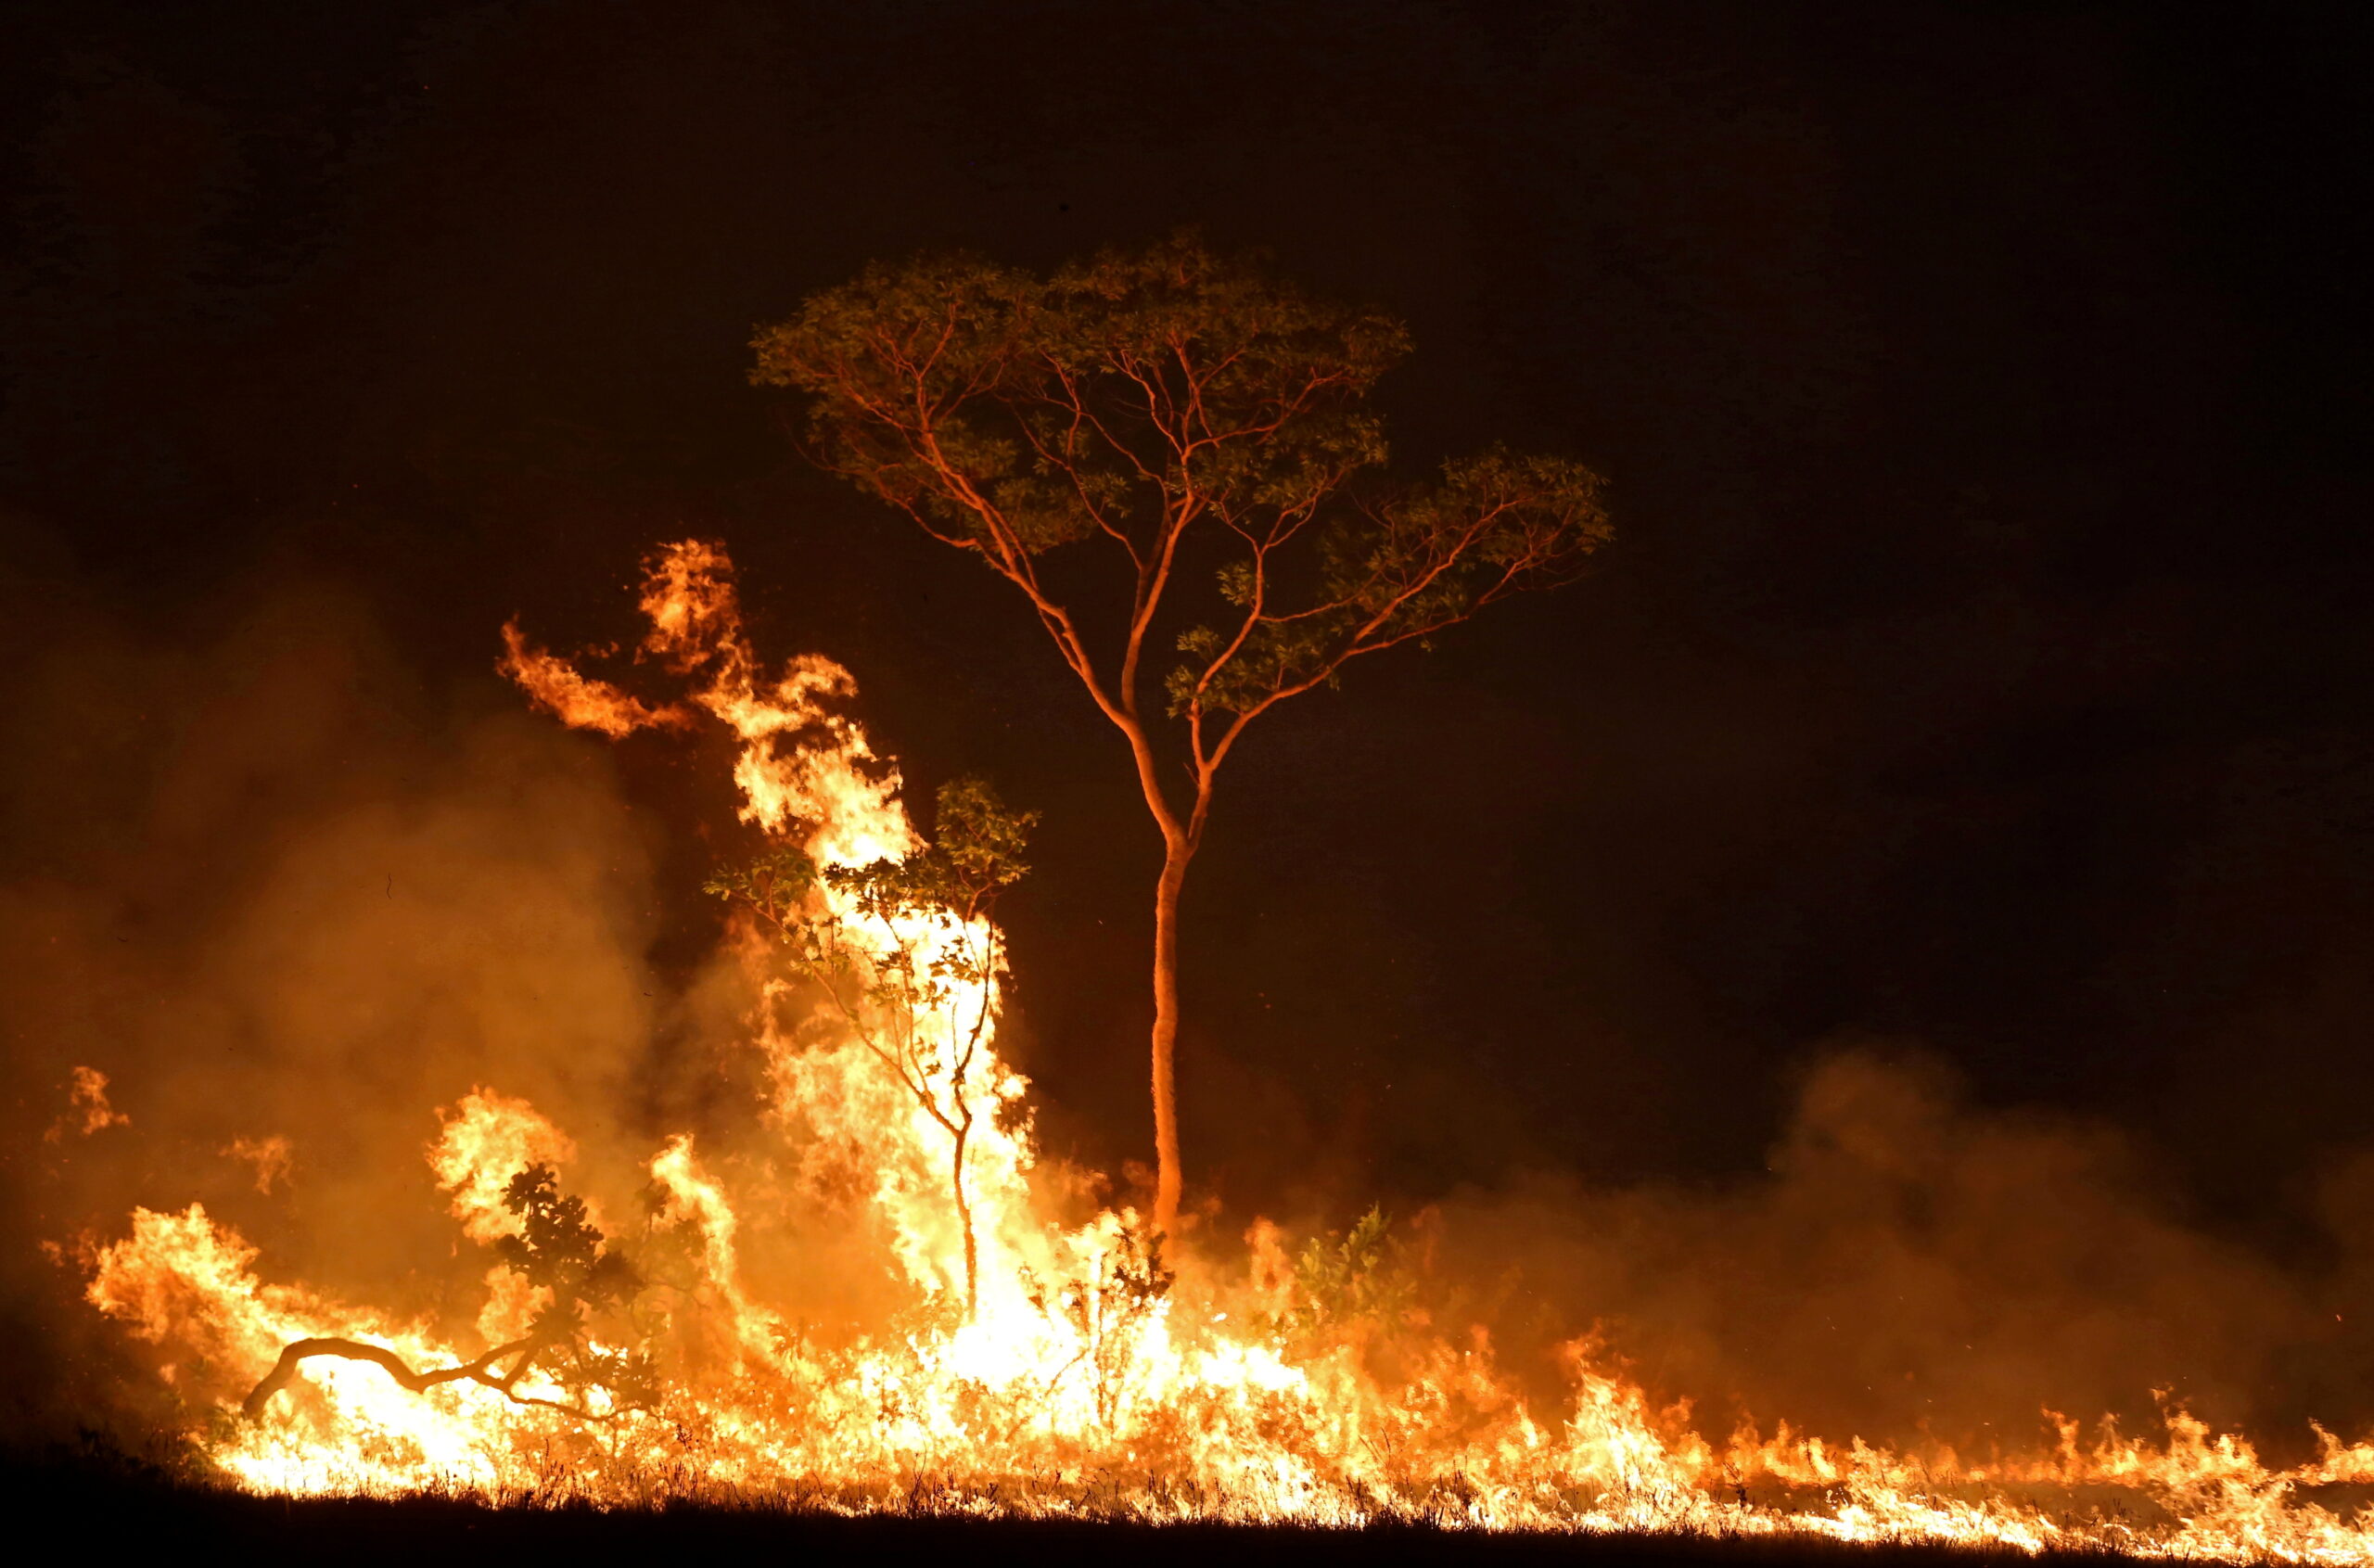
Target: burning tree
{"points": [[1174, 403], [910, 965]]}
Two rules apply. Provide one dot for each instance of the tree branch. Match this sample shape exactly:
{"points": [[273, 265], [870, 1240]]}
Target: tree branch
{"points": [[297, 1352]]}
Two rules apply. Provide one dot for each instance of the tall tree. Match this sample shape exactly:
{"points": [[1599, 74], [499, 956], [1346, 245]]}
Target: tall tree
{"points": [[1203, 420]]}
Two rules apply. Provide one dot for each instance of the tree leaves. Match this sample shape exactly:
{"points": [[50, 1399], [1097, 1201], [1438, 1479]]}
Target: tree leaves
{"points": [[1361, 1278], [1155, 394], [1002, 409], [559, 1248], [974, 855]]}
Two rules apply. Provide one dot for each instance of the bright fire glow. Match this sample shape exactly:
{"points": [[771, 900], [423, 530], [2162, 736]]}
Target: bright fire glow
{"points": [[1067, 1388]]}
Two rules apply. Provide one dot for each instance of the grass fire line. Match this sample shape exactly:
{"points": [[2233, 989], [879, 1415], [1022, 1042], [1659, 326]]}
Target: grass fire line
{"points": [[1040, 1366]]}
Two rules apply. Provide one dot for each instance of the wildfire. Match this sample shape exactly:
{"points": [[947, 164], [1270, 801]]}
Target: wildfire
{"points": [[1037, 1366]]}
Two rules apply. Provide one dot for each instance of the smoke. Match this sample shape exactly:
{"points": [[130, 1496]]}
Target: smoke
{"points": [[285, 904], [1912, 1264]]}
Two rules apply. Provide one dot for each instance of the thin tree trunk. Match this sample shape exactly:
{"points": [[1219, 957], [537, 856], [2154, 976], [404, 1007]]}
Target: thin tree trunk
{"points": [[1166, 1037], [965, 1214]]}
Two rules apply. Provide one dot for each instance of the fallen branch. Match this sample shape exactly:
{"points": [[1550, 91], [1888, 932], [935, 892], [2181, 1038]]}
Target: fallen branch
{"points": [[297, 1352]]}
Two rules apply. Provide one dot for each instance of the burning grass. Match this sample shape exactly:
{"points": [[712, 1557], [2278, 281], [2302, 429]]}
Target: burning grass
{"points": [[181, 1506]]}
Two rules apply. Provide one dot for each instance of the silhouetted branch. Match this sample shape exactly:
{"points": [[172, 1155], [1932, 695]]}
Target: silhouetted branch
{"points": [[297, 1352]]}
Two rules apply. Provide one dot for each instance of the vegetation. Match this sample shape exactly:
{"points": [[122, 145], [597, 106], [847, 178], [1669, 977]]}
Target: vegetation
{"points": [[1104, 1309], [1358, 1279], [149, 1511], [1201, 421], [898, 967], [556, 1248]]}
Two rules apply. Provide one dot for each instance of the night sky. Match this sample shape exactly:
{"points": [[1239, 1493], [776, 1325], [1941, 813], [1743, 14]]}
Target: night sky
{"points": [[1982, 671]]}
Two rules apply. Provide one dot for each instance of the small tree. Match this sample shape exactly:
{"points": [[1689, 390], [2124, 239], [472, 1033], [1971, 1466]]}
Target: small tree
{"points": [[1201, 419], [905, 999], [1103, 1307]]}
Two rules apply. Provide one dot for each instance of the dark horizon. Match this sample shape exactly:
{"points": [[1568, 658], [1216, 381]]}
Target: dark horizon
{"points": [[1979, 675]]}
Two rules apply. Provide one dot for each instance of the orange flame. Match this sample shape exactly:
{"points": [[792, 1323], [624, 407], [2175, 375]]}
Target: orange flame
{"points": [[574, 699], [88, 1111]]}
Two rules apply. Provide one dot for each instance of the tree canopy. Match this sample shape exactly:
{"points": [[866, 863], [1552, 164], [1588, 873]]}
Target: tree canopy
{"points": [[1157, 397]]}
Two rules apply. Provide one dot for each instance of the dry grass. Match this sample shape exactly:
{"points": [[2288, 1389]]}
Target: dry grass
{"points": [[148, 1511]]}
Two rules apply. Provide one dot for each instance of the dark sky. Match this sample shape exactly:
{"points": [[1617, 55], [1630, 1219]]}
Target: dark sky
{"points": [[1983, 663]]}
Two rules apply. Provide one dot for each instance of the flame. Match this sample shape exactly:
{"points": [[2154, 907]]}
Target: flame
{"points": [[800, 762], [271, 1158], [574, 699], [487, 1140], [1069, 1381], [88, 1111]]}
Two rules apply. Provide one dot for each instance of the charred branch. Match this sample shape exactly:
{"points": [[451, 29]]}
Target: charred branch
{"points": [[297, 1352]]}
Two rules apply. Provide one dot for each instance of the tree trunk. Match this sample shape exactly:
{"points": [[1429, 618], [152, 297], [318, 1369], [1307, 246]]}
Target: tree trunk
{"points": [[964, 1211], [1166, 1037]]}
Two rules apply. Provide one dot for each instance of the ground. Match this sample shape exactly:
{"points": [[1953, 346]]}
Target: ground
{"points": [[135, 1510]]}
